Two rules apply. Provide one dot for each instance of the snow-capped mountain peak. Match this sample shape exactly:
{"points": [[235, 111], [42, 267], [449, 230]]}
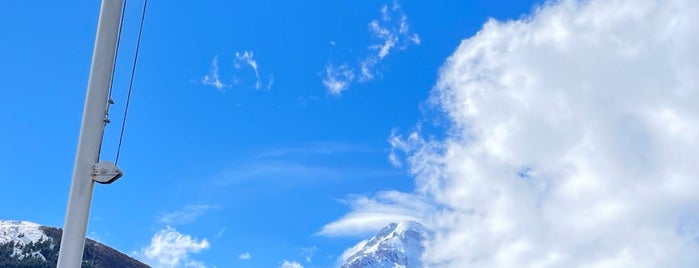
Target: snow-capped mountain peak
{"points": [[396, 245], [22, 232], [27, 244]]}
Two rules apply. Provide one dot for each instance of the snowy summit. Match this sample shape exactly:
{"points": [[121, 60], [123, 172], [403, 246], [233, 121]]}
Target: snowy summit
{"points": [[398, 245], [28, 244], [22, 232]]}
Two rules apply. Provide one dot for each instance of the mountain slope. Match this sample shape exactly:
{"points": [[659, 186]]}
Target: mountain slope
{"points": [[27, 244], [398, 245]]}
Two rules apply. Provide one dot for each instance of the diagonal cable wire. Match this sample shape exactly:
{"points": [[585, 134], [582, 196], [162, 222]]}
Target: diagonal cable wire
{"points": [[116, 57], [133, 73], [111, 82]]}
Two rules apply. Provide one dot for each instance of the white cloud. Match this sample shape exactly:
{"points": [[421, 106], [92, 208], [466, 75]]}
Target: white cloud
{"points": [[247, 57], [573, 140], [370, 214], [170, 248], [291, 264], [366, 68], [186, 215], [404, 29], [212, 78], [242, 59], [387, 37], [337, 79], [391, 31], [400, 144], [244, 256]]}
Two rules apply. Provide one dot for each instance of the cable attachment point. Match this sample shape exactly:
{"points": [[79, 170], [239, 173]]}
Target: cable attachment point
{"points": [[105, 172]]}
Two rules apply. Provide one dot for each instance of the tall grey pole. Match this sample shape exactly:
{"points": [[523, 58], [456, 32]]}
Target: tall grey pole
{"points": [[87, 168]]}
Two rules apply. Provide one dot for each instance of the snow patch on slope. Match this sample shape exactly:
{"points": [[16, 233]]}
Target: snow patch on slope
{"points": [[22, 233]]}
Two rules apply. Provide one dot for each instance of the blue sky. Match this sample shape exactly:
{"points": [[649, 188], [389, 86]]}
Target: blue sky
{"points": [[267, 167], [266, 132]]}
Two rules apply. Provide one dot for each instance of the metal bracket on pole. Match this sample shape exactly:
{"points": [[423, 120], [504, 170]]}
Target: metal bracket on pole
{"points": [[105, 172]]}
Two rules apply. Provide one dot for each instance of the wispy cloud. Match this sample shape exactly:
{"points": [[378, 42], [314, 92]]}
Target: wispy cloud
{"points": [[337, 78], [241, 61], [212, 78], [185, 215], [402, 145], [289, 172], [247, 58], [291, 264], [170, 248], [220, 232], [389, 32], [371, 213], [244, 256], [322, 148], [284, 172], [387, 37], [302, 163]]}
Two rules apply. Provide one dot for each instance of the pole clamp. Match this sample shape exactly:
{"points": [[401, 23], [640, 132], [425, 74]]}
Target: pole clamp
{"points": [[105, 172]]}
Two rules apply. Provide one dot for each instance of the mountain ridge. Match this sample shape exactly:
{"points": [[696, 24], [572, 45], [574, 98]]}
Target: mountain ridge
{"points": [[28, 244]]}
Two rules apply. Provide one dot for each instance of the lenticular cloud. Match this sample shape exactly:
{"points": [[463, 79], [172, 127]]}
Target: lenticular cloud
{"points": [[574, 140]]}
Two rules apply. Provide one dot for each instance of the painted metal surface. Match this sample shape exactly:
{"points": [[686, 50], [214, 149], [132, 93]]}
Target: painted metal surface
{"points": [[91, 132]]}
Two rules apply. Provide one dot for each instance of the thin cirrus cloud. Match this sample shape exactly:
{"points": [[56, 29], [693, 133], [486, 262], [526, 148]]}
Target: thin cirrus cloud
{"points": [[595, 102], [170, 248], [316, 148], [292, 172], [389, 32], [244, 256], [243, 60], [187, 214], [301, 163], [221, 232]]}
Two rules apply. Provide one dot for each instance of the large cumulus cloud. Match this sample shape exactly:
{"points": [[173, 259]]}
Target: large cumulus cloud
{"points": [[573, 140]]}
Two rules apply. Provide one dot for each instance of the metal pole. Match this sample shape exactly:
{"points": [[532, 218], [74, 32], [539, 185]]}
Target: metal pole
{"points": [[92, 128]]}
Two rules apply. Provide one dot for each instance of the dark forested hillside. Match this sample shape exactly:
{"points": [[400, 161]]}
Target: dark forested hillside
{"points": [[44, 253]]}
